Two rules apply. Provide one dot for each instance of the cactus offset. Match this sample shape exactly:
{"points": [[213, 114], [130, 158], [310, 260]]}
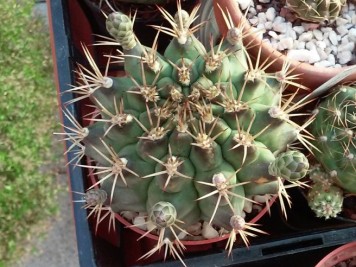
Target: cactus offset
{"points": [[324, 198], [334, 130], [320, 11], [190, 135]]}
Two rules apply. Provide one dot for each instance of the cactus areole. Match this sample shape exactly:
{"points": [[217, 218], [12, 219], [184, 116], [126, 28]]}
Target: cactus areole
{"points": [[189, 137]]}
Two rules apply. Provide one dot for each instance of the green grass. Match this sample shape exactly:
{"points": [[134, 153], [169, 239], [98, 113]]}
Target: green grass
{"points": [[27, 108]]}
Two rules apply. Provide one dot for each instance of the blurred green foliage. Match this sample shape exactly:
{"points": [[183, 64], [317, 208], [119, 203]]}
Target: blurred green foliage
{"points": [[27, 120]]}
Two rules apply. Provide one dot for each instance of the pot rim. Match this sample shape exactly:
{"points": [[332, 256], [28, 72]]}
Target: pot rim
{"points": [[342, 253]]}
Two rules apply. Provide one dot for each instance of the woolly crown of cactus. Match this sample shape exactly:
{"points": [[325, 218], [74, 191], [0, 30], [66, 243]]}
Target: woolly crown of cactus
{"points": [[320, 11], [188, 136]]}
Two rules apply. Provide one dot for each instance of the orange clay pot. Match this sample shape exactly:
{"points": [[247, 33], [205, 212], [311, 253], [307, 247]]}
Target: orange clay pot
{"points": [[338, 255], [310, 76]]}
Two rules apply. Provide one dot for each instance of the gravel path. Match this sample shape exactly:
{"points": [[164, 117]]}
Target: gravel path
{"points": [[58, 247]]}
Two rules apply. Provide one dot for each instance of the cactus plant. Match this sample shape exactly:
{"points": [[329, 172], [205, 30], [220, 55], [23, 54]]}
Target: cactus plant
{"points": [[319, 11], [187, 136], [324, 198], [334, 131]]}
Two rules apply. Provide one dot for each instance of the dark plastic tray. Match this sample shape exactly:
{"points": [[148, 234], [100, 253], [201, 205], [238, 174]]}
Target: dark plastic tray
{"points": [[302, 240]]}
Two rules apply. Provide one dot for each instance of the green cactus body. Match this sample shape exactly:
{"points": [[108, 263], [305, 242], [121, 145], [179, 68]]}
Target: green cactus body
{"points": [[192, 139], [321, 11], [325, 200], [334, 131]]}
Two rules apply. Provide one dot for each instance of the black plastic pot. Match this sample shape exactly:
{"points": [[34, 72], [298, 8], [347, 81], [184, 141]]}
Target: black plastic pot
{"points": [[288, 244]]}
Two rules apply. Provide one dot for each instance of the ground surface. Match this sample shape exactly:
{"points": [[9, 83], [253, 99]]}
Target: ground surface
{"points": [[57, 246]]}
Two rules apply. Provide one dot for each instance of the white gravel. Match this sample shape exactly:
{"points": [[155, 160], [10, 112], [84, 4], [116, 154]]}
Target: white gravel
{"points": [[329, 46]]}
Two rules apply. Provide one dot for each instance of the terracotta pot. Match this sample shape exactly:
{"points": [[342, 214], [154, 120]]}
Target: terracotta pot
{"points": [[310, 76], [338, 255]]}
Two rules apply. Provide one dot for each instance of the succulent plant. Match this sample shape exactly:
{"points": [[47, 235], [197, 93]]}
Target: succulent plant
{"points": [[324, 198], [188, 136], [334, 130], [319, 11]]}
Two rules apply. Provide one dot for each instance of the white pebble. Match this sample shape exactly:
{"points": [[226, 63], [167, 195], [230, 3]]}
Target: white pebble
{"points": [[244, 4], [262, 17], [318, 34], [327, 42], [259, 31], [250, 15], [322, 54], [262, 198], [268, 25], [254, 21], [328, 50], [334, 49], [342, 21], [274, 43], [140, 222], [258, 7], [310, 45], [351, 6], [273, 34], [342, 30], [264, 1], [252, 11], [320, 44], [326, 29], [306, 36], [346, 47], [266, 40], [331, 59], [208, 231], [345, 40], [333, 37], [353, 19], [344, 57], [271, 14], [280, 27], [298, 29], [292, 34], [303, 55], [349, 26], [279, 19], [182, 235], [347, 17], [128, 215], [299, 45], [314, 56], [352, 35], [248, 206], [285, 43]]}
